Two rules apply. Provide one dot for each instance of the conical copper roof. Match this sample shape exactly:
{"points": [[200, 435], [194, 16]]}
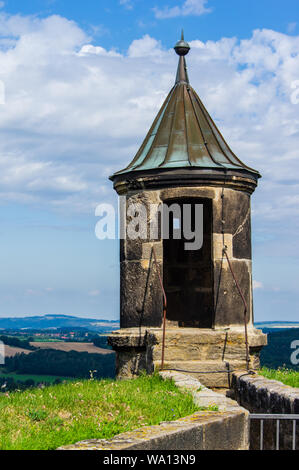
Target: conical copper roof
{"points": [[183, 135]]}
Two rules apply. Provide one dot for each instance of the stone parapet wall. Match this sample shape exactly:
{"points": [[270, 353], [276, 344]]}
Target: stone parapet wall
{"points": [[261, 395], [200, 431], [204, 396]]}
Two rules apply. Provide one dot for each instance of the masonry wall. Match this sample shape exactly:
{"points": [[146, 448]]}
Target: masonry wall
{"points": [[260, 395], [141, 296]]}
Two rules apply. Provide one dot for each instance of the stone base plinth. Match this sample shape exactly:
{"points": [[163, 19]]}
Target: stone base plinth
{"points": [[209, 355]]}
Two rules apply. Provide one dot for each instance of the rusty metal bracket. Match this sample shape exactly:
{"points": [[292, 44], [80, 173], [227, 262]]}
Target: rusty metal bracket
{"points": [[164, 306], [244, 303]]}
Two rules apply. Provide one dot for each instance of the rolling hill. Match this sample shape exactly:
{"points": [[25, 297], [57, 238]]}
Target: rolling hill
{"points": [[57, 321]]}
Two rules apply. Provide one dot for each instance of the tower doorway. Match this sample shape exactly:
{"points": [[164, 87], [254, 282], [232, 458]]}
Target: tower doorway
{"points": [[188, 274]]}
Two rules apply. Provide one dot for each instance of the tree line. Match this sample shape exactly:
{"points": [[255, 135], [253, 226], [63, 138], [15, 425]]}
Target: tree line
{"points": [[101, 342], [17, 343], [62, 363], [10, 384]]}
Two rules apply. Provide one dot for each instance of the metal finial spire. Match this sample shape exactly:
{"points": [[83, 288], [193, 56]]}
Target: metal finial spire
{"points": [[182, 48]]}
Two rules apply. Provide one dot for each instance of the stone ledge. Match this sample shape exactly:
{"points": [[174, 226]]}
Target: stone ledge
{"points": [[200, 431], [202, 395], [127, 337], [191, 337], [262, 395]]}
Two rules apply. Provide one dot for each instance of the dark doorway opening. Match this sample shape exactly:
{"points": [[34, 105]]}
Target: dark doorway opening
{"points": [[188, 274]]}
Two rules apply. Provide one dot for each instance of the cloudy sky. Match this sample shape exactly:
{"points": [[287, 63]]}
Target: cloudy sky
{"points": [[80, 84]]}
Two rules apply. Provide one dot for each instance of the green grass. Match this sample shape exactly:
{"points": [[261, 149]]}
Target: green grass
{"points": [[86, 409], [37, 378], [284, 375]]}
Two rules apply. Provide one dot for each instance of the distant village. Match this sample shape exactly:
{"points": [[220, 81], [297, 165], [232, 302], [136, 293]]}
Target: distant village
{"points": [[51, 334]]}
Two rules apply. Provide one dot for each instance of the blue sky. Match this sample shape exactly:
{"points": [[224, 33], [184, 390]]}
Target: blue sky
{"points": [[118, 23], [83, 82]]}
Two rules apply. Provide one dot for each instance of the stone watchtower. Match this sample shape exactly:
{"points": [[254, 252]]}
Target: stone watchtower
{"points": [[184, 160]]}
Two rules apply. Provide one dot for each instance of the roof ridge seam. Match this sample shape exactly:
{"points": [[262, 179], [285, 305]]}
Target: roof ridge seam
{"points": [[170, 134], [201, 132]]}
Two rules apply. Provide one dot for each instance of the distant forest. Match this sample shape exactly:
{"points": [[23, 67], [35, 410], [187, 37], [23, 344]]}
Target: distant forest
{"points": [[61, 363], [17, 343], [9, 384]]}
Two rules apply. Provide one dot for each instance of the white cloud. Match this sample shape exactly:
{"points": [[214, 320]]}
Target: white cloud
{"points": [[97, 50], [35, 292], [31, 292], [189, 7], [145, 47], [77, 112], [94, 293], [291, 27], [257, 285], [127, 4]]}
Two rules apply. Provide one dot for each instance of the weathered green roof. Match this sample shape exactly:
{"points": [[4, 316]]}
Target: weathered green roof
{"points": [[183, 135]]}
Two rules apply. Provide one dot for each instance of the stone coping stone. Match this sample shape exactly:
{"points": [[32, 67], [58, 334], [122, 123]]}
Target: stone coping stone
{"points": [[225, 429], [202, 395], [200, 431], [138, 337], [265, 395]]}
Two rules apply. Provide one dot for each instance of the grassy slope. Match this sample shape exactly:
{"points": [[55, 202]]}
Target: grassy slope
{"points": [[63, 414], [286, 376]]}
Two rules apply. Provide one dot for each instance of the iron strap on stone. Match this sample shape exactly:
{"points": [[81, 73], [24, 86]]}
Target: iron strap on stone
{"points": [[244, 302], [228, 371], [239, 291], [234, 276], [164, 305]]}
